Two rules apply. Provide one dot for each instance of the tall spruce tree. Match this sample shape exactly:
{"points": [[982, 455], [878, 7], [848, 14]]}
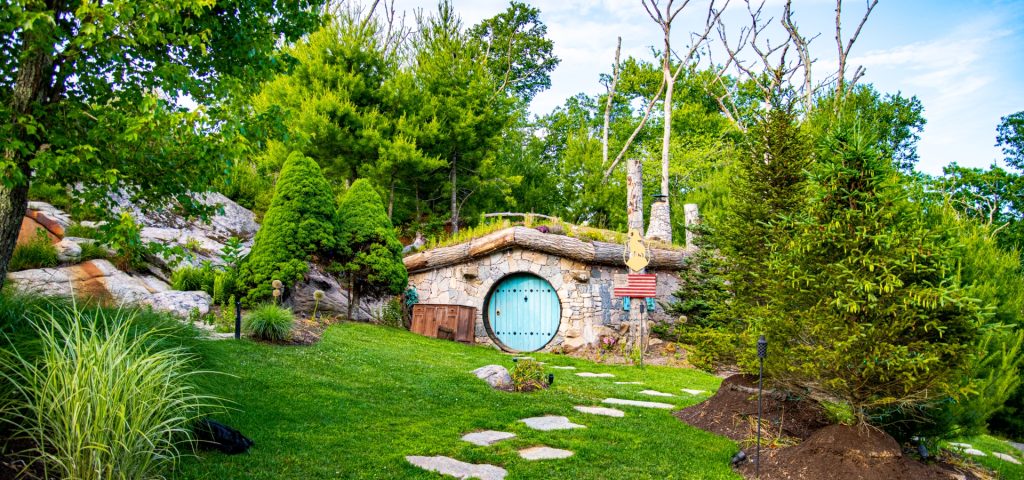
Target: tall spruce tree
{"points": [[368, 247], [297, 228]]}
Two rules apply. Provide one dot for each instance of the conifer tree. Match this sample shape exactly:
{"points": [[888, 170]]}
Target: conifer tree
{"points": [[368, 247], [298, 228]]}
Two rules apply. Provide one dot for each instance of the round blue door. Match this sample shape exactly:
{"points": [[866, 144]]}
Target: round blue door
{"points": [[523, 312]]}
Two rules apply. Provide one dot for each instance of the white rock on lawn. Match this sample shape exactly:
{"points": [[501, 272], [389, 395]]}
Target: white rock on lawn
{"points": [[563, 367], [974, 452], [544, 453], [594, 375], [458, 469], [608, 412], [637, 403], [496, 376], [960, 445], [693, 392], [1005, 457], [629, 383], [655, 393], [487, 438], [550, 422]]}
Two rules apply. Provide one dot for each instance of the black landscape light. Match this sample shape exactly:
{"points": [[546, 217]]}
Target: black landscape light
{"points": [[762, 351], [551, 379], [238, 319]]}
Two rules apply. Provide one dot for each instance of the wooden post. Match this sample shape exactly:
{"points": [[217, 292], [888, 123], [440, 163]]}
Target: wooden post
{"points": [[692, 215], [635, 216]]}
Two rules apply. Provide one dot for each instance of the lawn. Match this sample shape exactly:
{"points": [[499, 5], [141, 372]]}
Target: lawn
{"points": [[354, 405]]}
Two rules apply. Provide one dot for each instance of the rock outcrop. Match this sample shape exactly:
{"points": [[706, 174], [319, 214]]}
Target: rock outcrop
{"points": [[335, 299]]}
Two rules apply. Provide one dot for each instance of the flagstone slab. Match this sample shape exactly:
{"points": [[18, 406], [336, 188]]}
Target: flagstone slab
{"points": [[595, 375], [608, 412], [693, 392], [1005, 457], [1018, 446], [975, 452], [655, 393], [550, 422], [638, 403], [458, 469], [563, 367], [487, 438], [544, 453], [629, 383], [960, 445]]}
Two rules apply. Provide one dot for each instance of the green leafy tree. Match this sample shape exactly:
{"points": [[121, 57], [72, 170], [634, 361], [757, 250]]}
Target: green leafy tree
{"points": [[869, 309], [82, 82], [517, 51], [297, 229], [1010, 136], [368, 247]]}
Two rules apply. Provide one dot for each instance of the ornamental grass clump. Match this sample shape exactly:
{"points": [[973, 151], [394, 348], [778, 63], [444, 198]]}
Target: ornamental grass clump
{"points": [[38, 252], [527, 376], [270, 322], [101, 399]]}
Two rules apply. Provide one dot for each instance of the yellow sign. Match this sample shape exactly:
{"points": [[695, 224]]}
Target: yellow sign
{"points": [[636, 251]]}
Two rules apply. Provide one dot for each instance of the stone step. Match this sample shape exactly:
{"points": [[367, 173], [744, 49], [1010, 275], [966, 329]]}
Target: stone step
{"points": [[594, 375], [693, 392], [563, 367], [629, 383], [544, 453], [608, 412], [1005, 457], [638, 403], [458, 469], [487, 438], [655, 393], [550, 422]]}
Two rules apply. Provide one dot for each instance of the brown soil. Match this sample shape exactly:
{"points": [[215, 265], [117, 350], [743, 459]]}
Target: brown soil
{"points": [[798, 443]]}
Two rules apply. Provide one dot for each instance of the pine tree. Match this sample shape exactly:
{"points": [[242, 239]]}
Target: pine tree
{"points": [[298, 228], [368, 247]]}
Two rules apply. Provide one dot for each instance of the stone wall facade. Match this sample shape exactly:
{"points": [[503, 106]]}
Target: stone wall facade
{"points": [[590, 311]]}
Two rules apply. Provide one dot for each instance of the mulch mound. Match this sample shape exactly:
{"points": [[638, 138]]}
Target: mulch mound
{"points": [[798, 443]]}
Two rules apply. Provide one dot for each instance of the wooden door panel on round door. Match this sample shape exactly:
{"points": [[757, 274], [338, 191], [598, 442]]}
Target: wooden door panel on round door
{"points": [[523, 312]]}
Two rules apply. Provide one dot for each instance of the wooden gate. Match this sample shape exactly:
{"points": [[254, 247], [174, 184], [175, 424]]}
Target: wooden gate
{"points": [[453, 322], [523, 312]]}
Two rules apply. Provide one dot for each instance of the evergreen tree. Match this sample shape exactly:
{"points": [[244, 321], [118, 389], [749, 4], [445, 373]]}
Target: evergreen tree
{"points": [[869, 309], [368, 247], [297, 228]]}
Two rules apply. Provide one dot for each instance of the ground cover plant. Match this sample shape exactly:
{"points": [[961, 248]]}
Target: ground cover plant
{"points": [[355, 404], [269, 322], [38, 252]]}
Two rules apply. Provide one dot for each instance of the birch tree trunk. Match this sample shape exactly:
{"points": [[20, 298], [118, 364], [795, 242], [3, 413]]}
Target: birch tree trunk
{"points": [[635, 216]]}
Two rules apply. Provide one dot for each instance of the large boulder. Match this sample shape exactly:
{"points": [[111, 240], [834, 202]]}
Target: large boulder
{"points": [[496, 376], [100, 280], [335, 300]]}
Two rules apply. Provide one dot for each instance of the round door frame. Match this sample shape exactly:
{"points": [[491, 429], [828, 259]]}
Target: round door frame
{"points": [[486, 310]]}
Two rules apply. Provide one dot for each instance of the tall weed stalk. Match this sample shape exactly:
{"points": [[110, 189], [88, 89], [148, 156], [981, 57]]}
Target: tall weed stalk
{"points": [[102, 400]]}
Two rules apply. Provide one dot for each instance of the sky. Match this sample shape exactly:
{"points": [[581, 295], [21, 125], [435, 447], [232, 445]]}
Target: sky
{"points": [[964, 59]]}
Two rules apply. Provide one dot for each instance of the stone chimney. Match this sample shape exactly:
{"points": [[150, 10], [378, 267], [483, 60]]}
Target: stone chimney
{"points": [[660, 228]]}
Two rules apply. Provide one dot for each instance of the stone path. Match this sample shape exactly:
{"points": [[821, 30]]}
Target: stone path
{"points": [[608, 412], [655, 393], [563, 367], [594, 375], [960, 445], [1018, 446], [487, 437], [975, 452], [1005, 457], [638, 403], [629, 383], [550, 422], [693, 392], [458, 469], [544, 453]]}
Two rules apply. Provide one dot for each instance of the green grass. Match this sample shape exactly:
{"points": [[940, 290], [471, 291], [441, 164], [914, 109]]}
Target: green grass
{"points": [[990, 445], [354, 405], [36, 253]]}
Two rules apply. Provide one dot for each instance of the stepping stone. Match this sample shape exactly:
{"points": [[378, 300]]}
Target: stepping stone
{"points": [[594, 375], [522, 358], [961, 445], [608, 412], [487, 437], [629, 383], [458, 469], [655, 393], [693, 392], [1008, 458], [563, 367], [544, 453], [638, 403], [550, 422], [1018, 446], [975, 452]]}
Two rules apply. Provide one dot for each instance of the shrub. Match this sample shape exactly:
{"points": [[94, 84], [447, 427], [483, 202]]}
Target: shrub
{"points": [[102, 400], [125, 237], [225, 321], [36, 253], [297, 228], [189, 278], [223, 287], [92, 251], [269, 322], [527, 375], [81, 231], [368, 245]]}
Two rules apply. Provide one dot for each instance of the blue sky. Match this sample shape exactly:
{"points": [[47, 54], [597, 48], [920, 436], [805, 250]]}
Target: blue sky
{"points": [[963, 59]]}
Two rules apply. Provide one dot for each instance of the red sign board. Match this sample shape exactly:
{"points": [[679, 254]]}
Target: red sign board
{"points": [[637, 285]]}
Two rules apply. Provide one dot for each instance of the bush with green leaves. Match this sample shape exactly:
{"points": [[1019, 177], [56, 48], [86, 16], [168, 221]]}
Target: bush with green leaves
{"points": [[368, 245], [297, 228], [868, 309], [38, 252], [96, 398], [527, 376], [190, 278], [269, 322]]}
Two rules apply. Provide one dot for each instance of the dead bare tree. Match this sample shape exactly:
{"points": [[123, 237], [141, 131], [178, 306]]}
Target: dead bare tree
{"points": [[613, 83], [844, 51]]}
